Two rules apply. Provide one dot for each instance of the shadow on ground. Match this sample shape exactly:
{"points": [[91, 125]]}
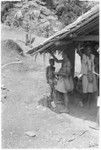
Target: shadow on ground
{"points": [[76, 110]]}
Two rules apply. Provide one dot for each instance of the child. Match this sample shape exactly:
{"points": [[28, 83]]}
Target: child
{"points": [[50, 76]]}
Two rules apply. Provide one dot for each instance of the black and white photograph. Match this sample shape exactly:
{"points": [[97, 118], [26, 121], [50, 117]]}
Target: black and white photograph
{"points": [[50, 74]]}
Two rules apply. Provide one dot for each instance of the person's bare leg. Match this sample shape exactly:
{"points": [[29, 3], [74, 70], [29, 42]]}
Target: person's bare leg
{"points": [[51, 96], [66, 100], [97, 119], [90, 97]]}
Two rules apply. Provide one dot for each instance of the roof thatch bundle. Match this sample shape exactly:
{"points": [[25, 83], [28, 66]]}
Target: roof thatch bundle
{"points": [[85, 28]]}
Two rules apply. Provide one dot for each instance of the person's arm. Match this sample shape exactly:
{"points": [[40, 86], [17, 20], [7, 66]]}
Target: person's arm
{"points": [[78, 50], [58, 61], [95, 67], [47, 70], [62, 74], [96, 73]]}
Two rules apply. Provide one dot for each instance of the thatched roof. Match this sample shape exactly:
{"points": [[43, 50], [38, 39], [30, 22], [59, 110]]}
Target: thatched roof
{"points": [[87, 24]]}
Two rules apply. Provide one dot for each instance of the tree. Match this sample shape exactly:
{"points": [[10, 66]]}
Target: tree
{"points": [[49, 3], [43, 17], [69, 10]]}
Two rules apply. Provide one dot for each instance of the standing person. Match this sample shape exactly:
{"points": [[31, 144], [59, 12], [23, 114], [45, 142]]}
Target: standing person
{"points": [[65, 82], [89, 84], [98, 96], [50, 76], [96, 69]]}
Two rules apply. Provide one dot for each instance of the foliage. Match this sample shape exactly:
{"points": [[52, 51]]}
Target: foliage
{"points": [[32, 16], [6, 7], [42, 17], [69, 10]]}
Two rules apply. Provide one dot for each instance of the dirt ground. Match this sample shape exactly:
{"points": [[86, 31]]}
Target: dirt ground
{"points": [[24, 109]]}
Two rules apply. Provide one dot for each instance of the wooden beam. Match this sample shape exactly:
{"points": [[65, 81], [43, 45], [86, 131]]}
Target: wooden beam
{"points": [[80, 38], [88, 29], [66, 42], [87, 38]]}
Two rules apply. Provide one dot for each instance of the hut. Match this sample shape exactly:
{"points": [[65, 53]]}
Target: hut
{"points": [[84, 29]]}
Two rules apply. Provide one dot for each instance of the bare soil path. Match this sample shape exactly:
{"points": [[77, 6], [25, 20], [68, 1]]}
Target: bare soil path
{"points": [[22, 112]]}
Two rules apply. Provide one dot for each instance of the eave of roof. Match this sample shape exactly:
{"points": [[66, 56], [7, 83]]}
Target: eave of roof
{"points": [[71, 30]]}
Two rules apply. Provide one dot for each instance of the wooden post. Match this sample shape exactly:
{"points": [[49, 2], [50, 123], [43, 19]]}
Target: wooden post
{"points": [[70, 51]]}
